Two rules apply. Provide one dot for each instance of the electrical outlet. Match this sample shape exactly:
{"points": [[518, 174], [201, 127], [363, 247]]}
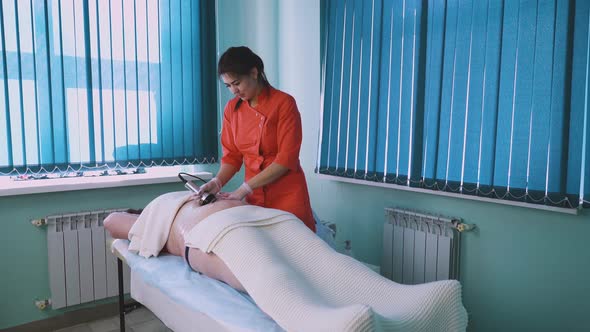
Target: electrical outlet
{"points": [[42, 304]]}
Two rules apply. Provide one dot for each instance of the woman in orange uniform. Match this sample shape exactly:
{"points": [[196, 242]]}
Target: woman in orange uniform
{"points": [[262, 130]]}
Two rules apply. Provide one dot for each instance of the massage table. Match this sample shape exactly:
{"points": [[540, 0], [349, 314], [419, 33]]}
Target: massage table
{"points": [[207, 304], [339, 294], [183, 299]]}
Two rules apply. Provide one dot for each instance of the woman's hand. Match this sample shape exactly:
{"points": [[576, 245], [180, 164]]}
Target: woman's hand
{"points": [[211, 187], [238, 194]]}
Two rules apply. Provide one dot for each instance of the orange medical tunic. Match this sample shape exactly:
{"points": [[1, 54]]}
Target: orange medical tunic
{"points": [[257, 137]]}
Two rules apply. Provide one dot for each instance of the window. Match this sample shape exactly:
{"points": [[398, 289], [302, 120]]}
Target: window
{"points": [[87, 84], [486, 98]]}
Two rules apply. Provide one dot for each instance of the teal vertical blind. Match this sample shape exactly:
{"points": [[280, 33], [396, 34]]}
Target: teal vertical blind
{"points": [[486, 98], [106, 83]]}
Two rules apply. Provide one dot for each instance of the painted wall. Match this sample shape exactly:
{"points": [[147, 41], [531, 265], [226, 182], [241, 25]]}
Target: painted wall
{"points": [[23, 247], [523, 270]]}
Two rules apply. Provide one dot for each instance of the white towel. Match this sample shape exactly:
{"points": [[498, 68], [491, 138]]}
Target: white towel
{"points": [[304, 285], [150, 232]]}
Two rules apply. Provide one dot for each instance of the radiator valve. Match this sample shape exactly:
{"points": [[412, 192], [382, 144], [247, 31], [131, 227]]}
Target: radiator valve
{"points": [[461, 227], [42, 304], [38, 222]]}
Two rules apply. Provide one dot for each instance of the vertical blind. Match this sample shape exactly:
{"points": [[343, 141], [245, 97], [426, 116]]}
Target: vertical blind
{"points": [[486, 98], [106, 83]]}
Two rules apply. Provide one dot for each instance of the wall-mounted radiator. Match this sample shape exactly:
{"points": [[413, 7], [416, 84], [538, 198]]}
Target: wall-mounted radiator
{"points": [[81, 266], [419, 248]]}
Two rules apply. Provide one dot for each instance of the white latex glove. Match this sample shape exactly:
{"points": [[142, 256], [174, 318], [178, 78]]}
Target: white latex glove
{"points": [[212, 187], [238, 194]]}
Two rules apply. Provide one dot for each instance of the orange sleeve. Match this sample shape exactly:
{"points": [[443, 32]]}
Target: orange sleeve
{"points": [[289, 135], [230, 153]]}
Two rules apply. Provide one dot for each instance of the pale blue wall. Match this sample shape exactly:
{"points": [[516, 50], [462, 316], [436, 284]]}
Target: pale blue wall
{"points": [[524, 270], [23, 247]]}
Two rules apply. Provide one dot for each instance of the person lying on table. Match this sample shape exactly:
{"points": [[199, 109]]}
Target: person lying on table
{"points": [[290, 273]]}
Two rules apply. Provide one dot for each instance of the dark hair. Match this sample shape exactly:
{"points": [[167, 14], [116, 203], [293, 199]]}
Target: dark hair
{"points": [[240, 60]]}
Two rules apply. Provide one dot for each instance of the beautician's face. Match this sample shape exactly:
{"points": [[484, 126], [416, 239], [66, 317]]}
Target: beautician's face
{"points": [[243, 86]]}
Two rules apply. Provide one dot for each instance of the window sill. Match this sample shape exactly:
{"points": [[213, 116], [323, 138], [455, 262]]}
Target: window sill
{"points": [[453, 195], [153, 175]]}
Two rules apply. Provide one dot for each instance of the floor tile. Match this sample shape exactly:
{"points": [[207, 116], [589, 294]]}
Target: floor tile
{"points": [[153, 325], [76, 328], [104, 325], [139, 316], [127, 329], [138, 320], [115, 321]]}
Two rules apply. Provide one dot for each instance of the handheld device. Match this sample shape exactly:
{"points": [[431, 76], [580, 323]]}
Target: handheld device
{"points": [[191, 186], [206, 197]]}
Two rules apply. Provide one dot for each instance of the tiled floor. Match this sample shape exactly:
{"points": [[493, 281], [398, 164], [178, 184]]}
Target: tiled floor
{"points": [[138, 320]]}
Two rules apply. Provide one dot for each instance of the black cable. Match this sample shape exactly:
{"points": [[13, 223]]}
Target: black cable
{"points": [[180, 175]]}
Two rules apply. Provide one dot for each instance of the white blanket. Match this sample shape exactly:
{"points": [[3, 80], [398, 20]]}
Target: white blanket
{"points": [[150, 232], [304, 285]]}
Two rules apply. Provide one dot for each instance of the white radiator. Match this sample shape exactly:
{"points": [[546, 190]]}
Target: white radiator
{"points": [[81, 266], [419, 248]]}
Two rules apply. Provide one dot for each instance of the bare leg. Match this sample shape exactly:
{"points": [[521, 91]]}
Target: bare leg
{"points": [[213, 267], [119, 224]]}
